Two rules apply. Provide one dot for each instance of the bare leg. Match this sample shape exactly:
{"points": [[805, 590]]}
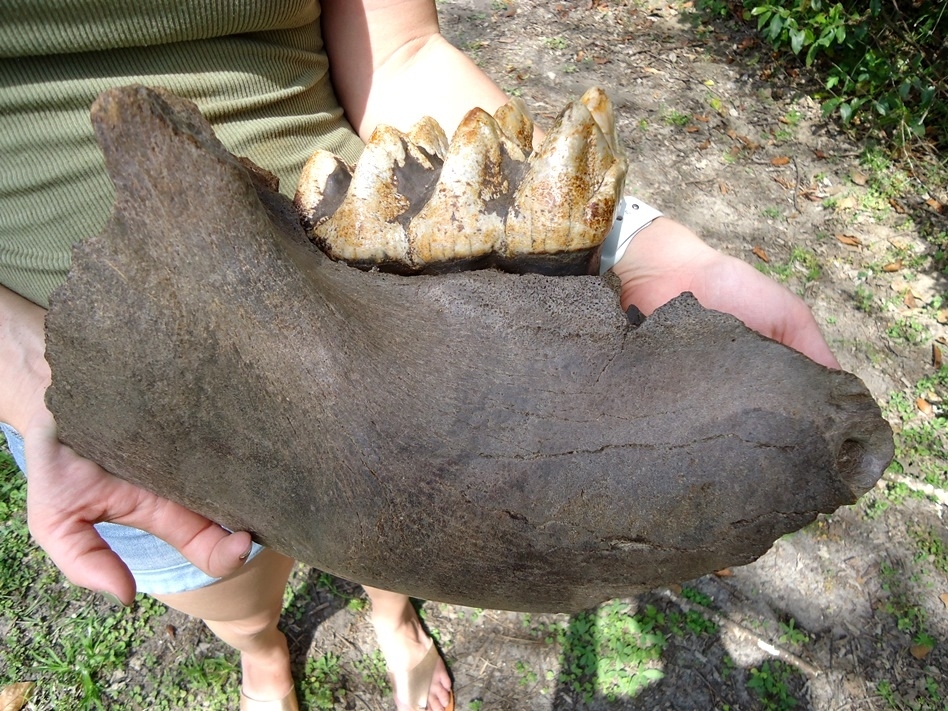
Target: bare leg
{"points": [[243, 610], [404, 644]]}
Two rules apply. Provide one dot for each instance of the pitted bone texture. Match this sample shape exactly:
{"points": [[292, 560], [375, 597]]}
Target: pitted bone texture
{"points": [[482, 438], [415, 204]]}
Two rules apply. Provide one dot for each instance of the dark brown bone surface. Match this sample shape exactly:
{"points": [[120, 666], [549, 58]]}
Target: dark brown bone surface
{"points": [[481, 438]]}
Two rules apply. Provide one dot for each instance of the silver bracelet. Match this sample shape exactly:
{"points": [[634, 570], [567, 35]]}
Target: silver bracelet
{"points": [[633, 217]]}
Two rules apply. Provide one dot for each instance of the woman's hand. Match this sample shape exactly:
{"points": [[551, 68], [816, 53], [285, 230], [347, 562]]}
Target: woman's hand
{"points": [[67, 494], [666, 259]]}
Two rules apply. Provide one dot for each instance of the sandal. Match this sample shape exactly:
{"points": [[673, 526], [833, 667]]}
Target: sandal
{"points": [[287, 703]]}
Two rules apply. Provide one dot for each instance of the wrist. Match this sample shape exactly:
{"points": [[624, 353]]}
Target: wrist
{"points": [[661, 263], [23, 369]]}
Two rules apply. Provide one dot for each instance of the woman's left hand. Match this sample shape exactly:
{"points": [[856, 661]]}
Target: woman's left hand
{"points": [[666, 259]]}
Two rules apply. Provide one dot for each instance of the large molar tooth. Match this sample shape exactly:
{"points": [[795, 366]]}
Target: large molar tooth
{"points": [[515, 121], [471, 197], [562, 184], [392, 176], [322, 188], [402, 214]]}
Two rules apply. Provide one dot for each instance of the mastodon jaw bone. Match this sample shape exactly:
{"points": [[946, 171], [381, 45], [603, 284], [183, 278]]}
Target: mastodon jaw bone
{"points": [[414, 203]]}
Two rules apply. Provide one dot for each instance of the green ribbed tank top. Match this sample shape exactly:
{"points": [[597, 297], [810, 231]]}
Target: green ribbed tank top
{"points": [[256, 69]]}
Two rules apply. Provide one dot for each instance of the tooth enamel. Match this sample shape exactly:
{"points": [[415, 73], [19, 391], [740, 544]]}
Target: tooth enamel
{"points": [[322, 187], [600, 107], [428, 135], [415, 202], [550, 206], [472, 178], [514, 120]]}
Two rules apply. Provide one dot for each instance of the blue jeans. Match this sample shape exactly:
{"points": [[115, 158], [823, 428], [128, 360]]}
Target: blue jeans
{"points": [[159, 569]]}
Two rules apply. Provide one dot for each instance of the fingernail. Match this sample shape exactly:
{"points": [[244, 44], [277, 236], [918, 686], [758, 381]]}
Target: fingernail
{"points": [[247, 553], [111, 598]]}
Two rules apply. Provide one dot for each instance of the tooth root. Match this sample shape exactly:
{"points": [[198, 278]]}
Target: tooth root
{"points": [[470, 199], [515, 121], [322, 188], [365, 227], [601, 109], [564, 176]]}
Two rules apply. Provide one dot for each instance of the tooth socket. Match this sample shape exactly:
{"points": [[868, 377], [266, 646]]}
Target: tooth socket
{"points": [[416, 204]]}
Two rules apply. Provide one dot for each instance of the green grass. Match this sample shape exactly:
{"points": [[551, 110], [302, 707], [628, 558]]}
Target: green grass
{"points": [[610, 651], [921, 444], [803, 264], [769, 682]]}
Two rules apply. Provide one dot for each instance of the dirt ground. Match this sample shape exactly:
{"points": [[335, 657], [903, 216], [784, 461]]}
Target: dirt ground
{"points": [[726, 141]]}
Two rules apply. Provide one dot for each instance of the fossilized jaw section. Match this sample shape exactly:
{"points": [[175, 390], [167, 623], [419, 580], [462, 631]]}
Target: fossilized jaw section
{"points": [[416, 204]]}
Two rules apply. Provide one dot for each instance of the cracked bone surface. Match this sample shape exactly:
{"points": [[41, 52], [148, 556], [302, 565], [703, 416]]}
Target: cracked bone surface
{"points": [[415, 204], [490, 439]]}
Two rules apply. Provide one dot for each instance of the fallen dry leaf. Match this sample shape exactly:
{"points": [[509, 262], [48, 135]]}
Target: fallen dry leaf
{"points": [[704, 145], [850, 240], [749, 142], [722, 186], [909, 300], [727, 573], [703, 118], [13, 697], [936, 357], [920, 651], [892, 266], [934, 204], [897, 206], [780, 180], [761, 254], [692, 129], [944, 598], [858, 177], [820, 155], [942, 316], [780, 160], [601, 60], [923, 406]]}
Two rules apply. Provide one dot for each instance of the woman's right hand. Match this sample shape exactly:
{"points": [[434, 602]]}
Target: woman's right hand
{"points": [[67, 494]]}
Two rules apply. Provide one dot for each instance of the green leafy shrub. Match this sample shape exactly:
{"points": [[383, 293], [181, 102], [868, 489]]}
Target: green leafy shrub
{"points": [[882, 64]]}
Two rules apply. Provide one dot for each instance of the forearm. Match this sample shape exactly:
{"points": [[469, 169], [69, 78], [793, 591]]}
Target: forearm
{"points": [[391, 65], [24, 373], [435, 79]]}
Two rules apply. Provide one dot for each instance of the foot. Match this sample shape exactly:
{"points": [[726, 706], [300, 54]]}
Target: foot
{"points": [[406, 648]]}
